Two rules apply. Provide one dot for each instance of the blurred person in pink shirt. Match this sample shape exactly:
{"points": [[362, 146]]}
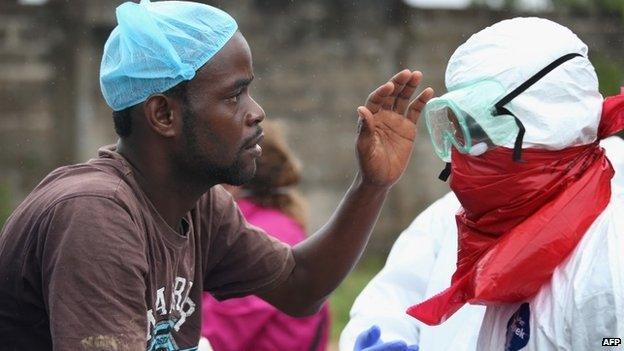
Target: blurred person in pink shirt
{"points": [[269, 202]]}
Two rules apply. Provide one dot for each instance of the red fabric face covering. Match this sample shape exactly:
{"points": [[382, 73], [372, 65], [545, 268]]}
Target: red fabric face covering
{"points": [[519, 221]]}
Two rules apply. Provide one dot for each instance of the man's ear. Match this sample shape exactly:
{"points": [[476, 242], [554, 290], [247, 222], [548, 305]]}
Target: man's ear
{"points": [[160, 113]]}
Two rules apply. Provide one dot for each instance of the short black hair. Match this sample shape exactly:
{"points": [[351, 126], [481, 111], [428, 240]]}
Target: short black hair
{"points": [[122, 119]]}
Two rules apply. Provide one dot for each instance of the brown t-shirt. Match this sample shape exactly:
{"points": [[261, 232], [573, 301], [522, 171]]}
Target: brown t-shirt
{"points": [[87, 263]]}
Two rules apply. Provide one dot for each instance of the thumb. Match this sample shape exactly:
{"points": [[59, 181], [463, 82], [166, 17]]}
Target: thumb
{"points": [[367, 338], [366, 120]]}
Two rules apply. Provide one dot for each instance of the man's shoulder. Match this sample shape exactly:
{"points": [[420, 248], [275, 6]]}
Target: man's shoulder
{"points": [[80, 195], [81, 181]]}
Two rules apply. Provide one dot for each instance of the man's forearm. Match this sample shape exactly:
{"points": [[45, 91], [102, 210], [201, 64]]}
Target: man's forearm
{"points": [[325, 258], [386, 134]]}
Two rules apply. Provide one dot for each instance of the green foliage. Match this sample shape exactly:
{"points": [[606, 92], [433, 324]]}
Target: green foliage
{"points": [[615, 7], [610, 75]]}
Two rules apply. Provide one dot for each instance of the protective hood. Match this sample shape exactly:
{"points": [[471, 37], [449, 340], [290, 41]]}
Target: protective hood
{"points": [[563, 108]]}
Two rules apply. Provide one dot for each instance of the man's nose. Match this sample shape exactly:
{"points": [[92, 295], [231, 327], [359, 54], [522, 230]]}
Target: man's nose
{"points": [[256, 114]]}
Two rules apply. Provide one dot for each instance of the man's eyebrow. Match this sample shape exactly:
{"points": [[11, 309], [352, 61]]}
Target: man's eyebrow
{"points": [[241, 83]]}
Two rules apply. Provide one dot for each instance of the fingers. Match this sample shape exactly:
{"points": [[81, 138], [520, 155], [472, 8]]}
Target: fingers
{"points": [[399, 80], [395, 94], [402, 100], [417, 105], [377, 98]]}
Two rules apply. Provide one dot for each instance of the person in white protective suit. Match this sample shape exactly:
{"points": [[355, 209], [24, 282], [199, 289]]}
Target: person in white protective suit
{"points": [[420, 264], [540, 241]]}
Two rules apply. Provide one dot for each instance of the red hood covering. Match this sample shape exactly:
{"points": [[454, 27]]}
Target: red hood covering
{"points": [[612, 120], [520, 220]]}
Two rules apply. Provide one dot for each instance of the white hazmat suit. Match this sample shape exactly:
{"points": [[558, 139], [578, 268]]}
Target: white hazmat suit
{"points": [[420, 264], [582, 302]]}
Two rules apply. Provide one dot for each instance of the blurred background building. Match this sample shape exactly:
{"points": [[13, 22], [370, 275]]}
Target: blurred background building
{"points": [[315, 62]]}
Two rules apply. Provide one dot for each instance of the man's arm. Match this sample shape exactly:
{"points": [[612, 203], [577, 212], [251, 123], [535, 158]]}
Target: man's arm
{"points": [[387, 131]]}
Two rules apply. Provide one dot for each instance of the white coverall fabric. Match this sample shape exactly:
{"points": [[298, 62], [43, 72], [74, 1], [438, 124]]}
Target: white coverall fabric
{"points": [[582, 303], [420, 264]]}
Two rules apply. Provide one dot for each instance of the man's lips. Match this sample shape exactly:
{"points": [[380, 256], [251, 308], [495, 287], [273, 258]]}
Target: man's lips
{"points": [[255, 141], [254, 145]]}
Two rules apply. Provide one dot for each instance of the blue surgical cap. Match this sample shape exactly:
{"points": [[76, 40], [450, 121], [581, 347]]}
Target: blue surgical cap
{"points": [[157, 45]]}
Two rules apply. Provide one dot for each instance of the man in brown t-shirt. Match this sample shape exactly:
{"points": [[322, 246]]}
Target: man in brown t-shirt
{"points": [[114, 254]]}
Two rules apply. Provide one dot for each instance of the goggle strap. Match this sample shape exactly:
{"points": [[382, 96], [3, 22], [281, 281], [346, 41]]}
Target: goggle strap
{"points": [[446, 172], [517, 154], [537, 76]]}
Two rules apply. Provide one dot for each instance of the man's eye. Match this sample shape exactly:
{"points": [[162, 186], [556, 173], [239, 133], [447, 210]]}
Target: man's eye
{"points": [[234, 99]]}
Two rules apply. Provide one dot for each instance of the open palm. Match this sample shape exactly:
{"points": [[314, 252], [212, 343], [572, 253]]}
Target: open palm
{"points": [[388, 128]]}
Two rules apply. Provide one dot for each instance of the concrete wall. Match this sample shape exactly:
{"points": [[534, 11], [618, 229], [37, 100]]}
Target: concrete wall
{"points": [[315, 62]]}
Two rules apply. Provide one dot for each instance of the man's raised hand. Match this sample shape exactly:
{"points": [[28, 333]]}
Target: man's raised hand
{"points": [[387, 128]]}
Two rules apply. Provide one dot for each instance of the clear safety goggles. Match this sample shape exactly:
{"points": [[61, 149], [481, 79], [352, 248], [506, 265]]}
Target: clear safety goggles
{"points": [[473, 118], [465, 118]]}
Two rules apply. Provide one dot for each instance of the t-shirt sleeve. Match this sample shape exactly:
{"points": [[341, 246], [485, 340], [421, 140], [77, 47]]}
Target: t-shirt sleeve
{"points": [[93, 267], [242, 259]]}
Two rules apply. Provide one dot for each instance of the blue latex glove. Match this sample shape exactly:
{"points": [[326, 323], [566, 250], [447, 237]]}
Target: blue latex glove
{"points": [[369, 340]]}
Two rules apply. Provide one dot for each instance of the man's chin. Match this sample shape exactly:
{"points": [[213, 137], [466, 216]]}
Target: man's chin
{"points": [[242, 175]]}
